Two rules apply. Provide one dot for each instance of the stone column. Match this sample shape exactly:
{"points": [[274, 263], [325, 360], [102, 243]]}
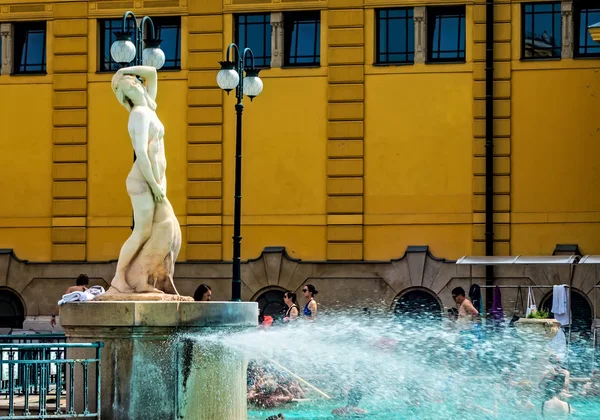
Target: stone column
{"points": [[277, 39], [6, 31], [420, 18], [154, 363], [568, 29]]}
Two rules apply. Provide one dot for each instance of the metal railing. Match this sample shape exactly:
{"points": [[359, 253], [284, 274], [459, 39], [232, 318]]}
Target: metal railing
{"points": [[33, 372]]}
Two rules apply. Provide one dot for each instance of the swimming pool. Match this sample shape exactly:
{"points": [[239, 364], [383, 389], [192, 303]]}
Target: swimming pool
{"points": [[588, 410], [416, 369]]}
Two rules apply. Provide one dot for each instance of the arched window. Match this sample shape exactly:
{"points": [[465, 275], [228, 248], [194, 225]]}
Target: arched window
{"points": [[271, 303], [12, 312], [581, 311], [418, 303]]}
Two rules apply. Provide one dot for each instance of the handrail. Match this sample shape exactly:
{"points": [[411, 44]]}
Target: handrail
{"points": [[41, 369]]}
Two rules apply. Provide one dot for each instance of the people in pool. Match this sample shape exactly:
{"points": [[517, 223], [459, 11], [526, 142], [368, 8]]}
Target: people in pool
{"points": [[554, 406], [466, 310], [351, 409], [289, 298], [310, 309], [203, 293]]}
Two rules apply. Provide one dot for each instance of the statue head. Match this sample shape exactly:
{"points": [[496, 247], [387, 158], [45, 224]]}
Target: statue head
{"points": [[129, 90]]}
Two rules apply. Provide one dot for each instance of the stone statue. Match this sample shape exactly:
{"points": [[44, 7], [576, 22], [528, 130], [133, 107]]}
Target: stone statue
{"points": [[147, 259]]}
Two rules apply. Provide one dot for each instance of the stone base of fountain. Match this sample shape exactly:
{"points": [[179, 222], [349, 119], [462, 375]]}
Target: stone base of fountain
{"points": [[149, 372], [536, 334]]}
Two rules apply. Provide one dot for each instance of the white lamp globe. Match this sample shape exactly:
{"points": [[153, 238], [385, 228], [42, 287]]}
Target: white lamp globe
{"points": [[253, 85], [122, 50], [153, 56], [227, 78]]}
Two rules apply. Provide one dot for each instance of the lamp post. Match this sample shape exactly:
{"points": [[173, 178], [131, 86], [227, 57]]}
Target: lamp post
{"points": [[123, 51], [231, 76], [594, 31]]}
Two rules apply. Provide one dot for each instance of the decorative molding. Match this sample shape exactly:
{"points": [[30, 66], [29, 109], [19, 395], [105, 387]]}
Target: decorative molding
{"points": [[6, 31], [277, 40], [420, 18], [568, 29]]}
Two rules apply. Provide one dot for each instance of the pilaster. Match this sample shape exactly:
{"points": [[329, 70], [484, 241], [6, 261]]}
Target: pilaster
{"points": [[277, 39], [345, 131], [568, 29], [69, 154], [205, 133], [420, 18], [502, 126], [6, 31]]}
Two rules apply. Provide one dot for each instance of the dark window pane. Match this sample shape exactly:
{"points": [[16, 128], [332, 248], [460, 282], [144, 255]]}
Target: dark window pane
{"points": [[446, 34], [395, 36], [541, 30], [302, 31], [168, 29], [30, 47], [108, 30], [586, 14], [254, 31]]}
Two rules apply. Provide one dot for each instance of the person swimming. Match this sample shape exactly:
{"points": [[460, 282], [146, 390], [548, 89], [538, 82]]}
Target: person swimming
{"points": [[310, 309]]}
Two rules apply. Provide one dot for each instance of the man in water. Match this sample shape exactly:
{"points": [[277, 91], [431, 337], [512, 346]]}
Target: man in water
{"points": [[351, 409], [466, 310]]}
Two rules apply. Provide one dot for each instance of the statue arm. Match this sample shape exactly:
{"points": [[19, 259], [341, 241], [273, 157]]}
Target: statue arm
{"points": [[146, 72]]}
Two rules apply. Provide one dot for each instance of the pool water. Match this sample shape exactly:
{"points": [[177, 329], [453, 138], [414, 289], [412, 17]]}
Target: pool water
{"points": [[412, 368], [588, 410]]}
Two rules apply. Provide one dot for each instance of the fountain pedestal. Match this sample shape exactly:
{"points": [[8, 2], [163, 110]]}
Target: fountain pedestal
{"points": [[536, 334], [149, 372]]}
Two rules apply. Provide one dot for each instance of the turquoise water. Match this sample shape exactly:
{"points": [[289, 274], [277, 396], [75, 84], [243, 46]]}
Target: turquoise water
{"points": [[412, 368], [388, 411]]}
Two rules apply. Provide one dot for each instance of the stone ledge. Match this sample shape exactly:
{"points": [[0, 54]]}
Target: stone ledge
{"points": [[158, 314]]}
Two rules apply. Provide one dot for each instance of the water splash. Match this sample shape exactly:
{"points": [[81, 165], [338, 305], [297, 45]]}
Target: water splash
{"points": [[410, 367]]}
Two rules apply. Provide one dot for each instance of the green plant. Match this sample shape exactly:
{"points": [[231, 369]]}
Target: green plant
{"points": [[539, 314]]}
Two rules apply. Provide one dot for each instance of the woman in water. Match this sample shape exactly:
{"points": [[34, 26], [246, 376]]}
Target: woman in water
{"points": [[203, 293], [289, 298], [310, 309]]}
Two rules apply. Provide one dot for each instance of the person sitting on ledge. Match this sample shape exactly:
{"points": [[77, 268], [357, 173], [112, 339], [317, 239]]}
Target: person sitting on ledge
{"points": [[81, 285]]}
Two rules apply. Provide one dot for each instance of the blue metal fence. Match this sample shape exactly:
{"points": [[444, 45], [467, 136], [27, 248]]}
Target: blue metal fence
{"points": [[33, 372]]}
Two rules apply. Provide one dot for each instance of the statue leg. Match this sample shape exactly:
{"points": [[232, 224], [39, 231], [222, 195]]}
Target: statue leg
{"points": [[143, 214]]}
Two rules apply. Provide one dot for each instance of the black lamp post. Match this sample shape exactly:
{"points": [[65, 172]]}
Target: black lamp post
{"points": [[231, 76], [123, 51]]}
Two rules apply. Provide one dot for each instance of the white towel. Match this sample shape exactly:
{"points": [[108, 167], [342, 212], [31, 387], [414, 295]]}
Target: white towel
{"points": [[89, 294], [558, 345], [560, 305]]}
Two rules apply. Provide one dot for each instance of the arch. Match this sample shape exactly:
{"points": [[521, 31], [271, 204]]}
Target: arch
{"points": [[270, 301], [581, 310], [418, 301], [12, 309]]}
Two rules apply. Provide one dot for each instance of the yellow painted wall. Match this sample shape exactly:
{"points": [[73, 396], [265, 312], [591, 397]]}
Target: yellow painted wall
{"points": [[556, 144], [414, 184], [418, 166], [26, 169], [284, 168]]}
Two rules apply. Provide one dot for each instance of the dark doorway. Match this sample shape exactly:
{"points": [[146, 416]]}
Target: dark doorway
{"points": [[581, 311], [12, 312], [271, 303], [418, 303]]}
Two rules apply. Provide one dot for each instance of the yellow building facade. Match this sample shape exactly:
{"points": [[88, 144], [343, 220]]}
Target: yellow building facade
{"points": [[348, 160]]}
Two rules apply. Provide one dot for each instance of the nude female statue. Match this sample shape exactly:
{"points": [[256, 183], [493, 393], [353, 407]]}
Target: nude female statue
{"points": [[147, 258]]}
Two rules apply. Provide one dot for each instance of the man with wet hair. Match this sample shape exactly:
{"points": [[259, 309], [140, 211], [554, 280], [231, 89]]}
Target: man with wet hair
{"points": [[466, 310]]}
